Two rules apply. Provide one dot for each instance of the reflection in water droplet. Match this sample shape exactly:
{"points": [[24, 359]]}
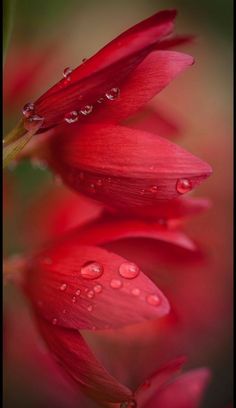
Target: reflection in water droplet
{"points": [[66, 73], [97, 288], [63, 287], [91, 270], [113, 94], [71, 117], [129, 270], [36, 118], [100, 100], [135, 292], [28, 109], [90, 294], [116, 283], [86, 110], [153, 300], [183, 186]]}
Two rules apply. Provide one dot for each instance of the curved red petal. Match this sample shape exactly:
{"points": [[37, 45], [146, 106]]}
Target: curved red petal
{"points": [[184, 392], [63, 296], [108, 68], [124, 167], [74, 356]]}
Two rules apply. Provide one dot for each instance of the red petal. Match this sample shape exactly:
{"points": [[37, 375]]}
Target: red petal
{"points": [[124, 167], [103, 231], [156, 381], [62, 295], [75, 357], [174, 41], [106, 69], [150, 77], [184, 392]]}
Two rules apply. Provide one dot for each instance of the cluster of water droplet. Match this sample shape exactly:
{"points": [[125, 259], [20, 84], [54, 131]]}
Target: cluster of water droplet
{"points": [[29, 113]]}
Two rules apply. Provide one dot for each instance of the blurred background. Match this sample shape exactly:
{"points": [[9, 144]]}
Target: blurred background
{"points": [[51, 35]]}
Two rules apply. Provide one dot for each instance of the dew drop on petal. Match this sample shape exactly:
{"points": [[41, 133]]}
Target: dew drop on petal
{"points": [[90, 308], [90, 294], [28, 109], [113, 94], [92, 188], [100, 100], [129, 270], [67, 71], [36, 118], [91, 270], [183, 186], [153, 189], [74, 299], [63, 287], [99, 182], [71, 117], [54, 321], [78, 292], [97, 288], [153, 300], [86, 110], [115, 283], [135, 292]]}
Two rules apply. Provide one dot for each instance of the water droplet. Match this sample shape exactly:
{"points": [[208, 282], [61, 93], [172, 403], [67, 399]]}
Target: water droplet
{"points": [[142, 192], [74, 299], [86, 110], [90, 294], [90, 308], [92, 188], [109, 179], [71, 117], [183, 186], [113, 94], [28, 109], [91, 270], [153, 189], [129, 404], [153, 300], [100, 100], [135, 292], [116, 283], [54, 321], [66, 73], [63, 287], [97, 288], [35, 118], [99, 182], [129, 270], [78, 292]]}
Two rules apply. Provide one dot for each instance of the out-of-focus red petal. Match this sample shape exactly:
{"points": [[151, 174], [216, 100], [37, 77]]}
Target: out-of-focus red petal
{"points": [[153, 384], [107, 69], [155, 121], [124, 167], [62, 295], [173, 210], [184, 392], [103, 231], [75, 357], [149, 78]]}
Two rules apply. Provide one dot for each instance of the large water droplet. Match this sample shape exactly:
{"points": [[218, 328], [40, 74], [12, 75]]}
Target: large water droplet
{"points": [[129, 270], [91, 270], [86, 110], [135, 292], [183, 186], [113, 94], [97, 288], [116, 283], [63, 287], [28, 109], [66, 73], [71, 117], [153, 300]]}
